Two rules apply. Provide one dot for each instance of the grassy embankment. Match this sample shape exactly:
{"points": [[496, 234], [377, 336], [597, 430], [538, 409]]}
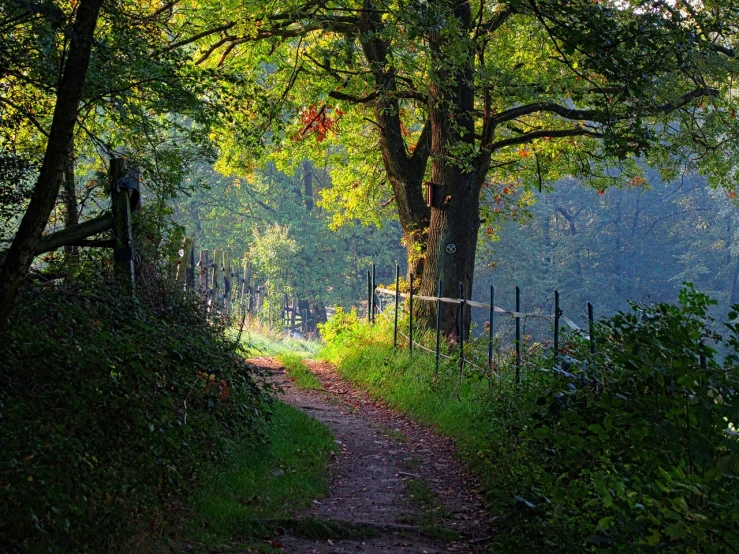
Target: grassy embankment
{"points": [[266, 482]]}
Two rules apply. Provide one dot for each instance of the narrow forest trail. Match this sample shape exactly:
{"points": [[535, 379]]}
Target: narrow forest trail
{"points": [[394, 485]]}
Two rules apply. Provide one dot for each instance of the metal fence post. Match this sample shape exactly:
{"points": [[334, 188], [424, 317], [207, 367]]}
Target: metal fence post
{"points": [[461, 327], [438, 327], [374, 285], [591, 322], [410, 318], [369, 296], [397, 299], [490, 323], [556, 323]]}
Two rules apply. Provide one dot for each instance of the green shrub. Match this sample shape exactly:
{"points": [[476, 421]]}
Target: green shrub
{"points": [[631, 448], [110, 409], [340, 324]]}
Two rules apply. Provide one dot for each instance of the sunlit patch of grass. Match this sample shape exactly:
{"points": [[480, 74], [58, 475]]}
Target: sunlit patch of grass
{"points": [[261, 340], [458, 407], [299, 372], [263, 481]]}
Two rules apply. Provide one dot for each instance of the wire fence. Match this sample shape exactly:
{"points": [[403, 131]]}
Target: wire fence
{"points": [[374, 305]]}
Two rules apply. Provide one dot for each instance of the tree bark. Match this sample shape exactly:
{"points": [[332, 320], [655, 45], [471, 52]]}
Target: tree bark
{"points": [[22, 250]]}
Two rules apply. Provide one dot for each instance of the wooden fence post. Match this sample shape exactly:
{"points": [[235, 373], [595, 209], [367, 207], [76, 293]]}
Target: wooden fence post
{"points": [[203, 264], [190, 269], [215, 277], [123, 249], [226, 268], [184, 262]]}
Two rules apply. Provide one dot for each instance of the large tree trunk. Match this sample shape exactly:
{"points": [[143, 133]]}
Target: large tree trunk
{"points": [[405, 170], [22, 250], [455, 212], [441, 240], [451, 247]]}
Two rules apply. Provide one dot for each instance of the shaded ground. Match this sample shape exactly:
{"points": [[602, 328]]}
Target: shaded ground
{"points": [[395, 486]]}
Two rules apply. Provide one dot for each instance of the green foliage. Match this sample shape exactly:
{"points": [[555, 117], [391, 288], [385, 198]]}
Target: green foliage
{"points": [[633, 448], [633, 445], [340, 324], [111, 408], [639, 242], [263, 217]]}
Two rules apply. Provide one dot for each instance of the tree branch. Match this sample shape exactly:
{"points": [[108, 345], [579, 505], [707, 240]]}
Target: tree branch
{"points": [[594, 115], [200, 35], [498, 19], [409, 94], [533, 135]]}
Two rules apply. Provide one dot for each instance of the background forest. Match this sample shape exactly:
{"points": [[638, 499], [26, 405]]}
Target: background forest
{"points": [[635, 243]]}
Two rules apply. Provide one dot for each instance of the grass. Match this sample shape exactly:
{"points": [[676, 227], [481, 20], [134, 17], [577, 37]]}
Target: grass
{"points": [[260, 340], [264, 481], [299, 372], [457, 407]]}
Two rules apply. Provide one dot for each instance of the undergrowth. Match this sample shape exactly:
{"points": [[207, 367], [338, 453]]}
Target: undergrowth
{"points": [[112, 409], [631, 449]]}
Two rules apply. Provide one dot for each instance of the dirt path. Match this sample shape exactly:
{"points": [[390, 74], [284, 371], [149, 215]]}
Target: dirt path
{"points": [[395, 485]]}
